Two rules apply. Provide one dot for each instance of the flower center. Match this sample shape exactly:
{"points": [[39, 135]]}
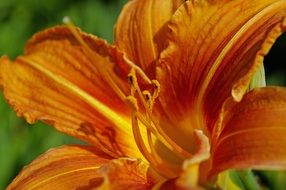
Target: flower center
{"points": [[141, 103]]}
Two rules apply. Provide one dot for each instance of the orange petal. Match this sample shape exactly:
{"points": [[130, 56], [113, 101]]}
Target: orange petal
{"points": [[58, 82], [252, 132], [138, 30], [189, 178], [210, 49], [67, 167], [126, 173]]}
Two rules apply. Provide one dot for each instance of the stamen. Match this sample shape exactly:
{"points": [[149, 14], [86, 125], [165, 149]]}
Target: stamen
{"points": [[162, 136], [131, 80], [132, 102], [74, 31], [148, 98], [147, 95], [150, 141], [138, 69], [134, 85], [165, 139], [151, 124], [160, 167], [157, 157], [156, 92], [138, 139]]}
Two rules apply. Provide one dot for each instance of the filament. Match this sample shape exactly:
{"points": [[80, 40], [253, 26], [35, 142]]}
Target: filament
{"points": [[161, 135]]}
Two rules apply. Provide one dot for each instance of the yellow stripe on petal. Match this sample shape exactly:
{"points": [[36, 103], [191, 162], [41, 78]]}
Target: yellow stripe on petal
{"points": [[101, 108], [63, 175], [67, 167]]}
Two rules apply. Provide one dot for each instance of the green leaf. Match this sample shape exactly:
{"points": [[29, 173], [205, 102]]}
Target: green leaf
{"points": [[238, 180], [273, 179]]}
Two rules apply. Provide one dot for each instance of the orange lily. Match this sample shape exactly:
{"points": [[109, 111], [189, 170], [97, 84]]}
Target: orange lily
{"points": [[171, 93]]}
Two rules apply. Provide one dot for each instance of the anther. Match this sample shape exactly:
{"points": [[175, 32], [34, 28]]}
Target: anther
{"points": [[147, 95], [148, 98], [132, 102], [138, 69], [156, 85], [130, 79]]}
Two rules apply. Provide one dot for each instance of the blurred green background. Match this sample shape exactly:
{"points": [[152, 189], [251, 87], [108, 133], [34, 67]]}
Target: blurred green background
{"points": [[19, 19]]}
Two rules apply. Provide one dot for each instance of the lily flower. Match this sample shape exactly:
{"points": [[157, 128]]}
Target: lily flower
{"points": [[168, 105]]}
